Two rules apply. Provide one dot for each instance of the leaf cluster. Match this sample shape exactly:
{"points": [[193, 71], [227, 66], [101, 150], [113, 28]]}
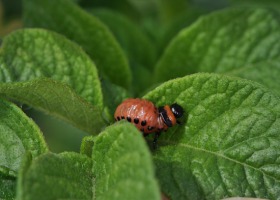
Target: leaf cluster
{"points": [[77, 60]]}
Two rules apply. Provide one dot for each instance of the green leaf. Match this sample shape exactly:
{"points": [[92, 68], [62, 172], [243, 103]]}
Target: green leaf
{"points": [[126, 172], [127, 7], [228, 145], [32, 53], [25, 163], [60, 136], [266, 73], [56, 176], [136, 44], [269, 3], [84, 29], [143, 78], [18, 135], [56, 99], [22, 59], [113, 96], [177, 24], [242, 198], [87, 144], [168, 10], [222, 41], [7, 187]]}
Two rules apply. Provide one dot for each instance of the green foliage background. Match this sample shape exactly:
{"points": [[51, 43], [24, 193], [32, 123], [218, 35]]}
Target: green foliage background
{"points": [[65, 66]]}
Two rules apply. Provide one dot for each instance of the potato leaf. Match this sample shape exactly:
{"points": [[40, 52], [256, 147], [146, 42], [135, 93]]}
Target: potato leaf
{"points": [[56, 99], [18, 135], [126, 172], [56, 176], [120, 168], [221, 42], [228, 145], [84, 29], [33, 53]]}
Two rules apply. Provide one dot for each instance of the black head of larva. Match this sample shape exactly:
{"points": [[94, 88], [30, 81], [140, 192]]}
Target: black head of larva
{"points": [[177, 110]]}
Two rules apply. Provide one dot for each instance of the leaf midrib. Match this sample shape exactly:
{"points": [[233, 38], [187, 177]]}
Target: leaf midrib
{"points": [[168, 142]]}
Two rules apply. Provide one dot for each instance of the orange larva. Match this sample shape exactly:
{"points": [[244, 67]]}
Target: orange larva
{"points": [[147, 117]]}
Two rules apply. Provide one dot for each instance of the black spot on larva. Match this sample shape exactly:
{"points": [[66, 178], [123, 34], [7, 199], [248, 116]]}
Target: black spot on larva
{"points": [[143, 123], [118, 118], [142, 129], [123, 117], [150, 128], [136, 120], [128, 119]]}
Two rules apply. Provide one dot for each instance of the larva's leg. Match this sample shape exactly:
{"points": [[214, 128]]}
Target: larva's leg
{"points": [[157, 134], [145, 134]]}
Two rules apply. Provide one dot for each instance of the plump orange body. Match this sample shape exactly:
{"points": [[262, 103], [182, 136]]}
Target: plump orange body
{"points": [[144, 115]]}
